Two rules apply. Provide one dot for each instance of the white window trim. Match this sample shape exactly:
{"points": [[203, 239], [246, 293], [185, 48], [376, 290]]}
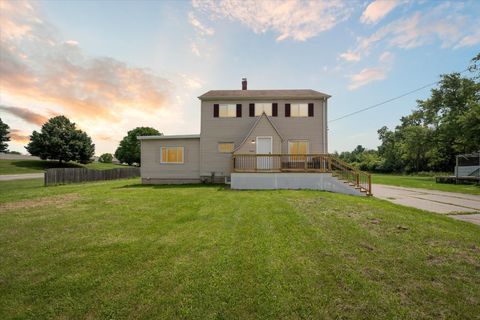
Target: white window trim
{"points": [[166, 147], [298, 104], [227, 105], [259, 114]]}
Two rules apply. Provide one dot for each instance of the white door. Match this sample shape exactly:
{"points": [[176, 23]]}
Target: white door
{"points": [[264, 146]]}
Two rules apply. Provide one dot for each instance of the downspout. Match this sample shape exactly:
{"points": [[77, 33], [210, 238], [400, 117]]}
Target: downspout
{"points": [[325, 128]]}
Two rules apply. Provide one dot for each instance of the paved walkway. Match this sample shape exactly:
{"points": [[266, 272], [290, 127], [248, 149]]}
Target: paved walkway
{"points": [[8, 177], [432, 200]]}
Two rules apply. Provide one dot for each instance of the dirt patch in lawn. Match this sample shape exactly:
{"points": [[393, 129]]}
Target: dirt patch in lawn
{"points": [[58, 201]]}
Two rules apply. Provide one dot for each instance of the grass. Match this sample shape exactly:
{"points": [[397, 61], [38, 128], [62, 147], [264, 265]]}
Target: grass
{"points": [[122, 250], [35, 166], [411, 181]]}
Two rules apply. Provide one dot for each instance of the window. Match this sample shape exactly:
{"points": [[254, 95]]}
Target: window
{"points": [[263, 107], [299, 110], [297, 147], [225, 147], [227, 110], [171, 155]]}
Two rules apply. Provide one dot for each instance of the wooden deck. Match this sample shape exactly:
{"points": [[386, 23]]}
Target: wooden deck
{"points": [[319, 163]]}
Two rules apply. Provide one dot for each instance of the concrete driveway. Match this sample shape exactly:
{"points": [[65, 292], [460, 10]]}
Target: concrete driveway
{"points": [[432, 200], [8, 177]]}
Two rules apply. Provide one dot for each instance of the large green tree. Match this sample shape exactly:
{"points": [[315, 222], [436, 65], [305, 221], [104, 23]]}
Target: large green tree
{"points": [[129, 149], [59, 139], [4, 138], [442, 126]]}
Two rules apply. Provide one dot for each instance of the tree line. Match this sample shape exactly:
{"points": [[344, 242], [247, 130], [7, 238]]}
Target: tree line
{"points": [[428, 139], [60, 139]]}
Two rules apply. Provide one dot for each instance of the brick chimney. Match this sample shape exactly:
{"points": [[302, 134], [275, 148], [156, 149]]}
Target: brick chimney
{"points": [[244, 83]]}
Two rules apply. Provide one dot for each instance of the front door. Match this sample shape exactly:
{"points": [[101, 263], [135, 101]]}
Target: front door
{"points": [[264, 146]]}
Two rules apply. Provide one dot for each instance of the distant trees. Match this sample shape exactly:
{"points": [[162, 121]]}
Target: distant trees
{"points": [[362, 158], [4, 138], [129, 149], [442, 126], [446, 124], [59, 139], [106, 158]]}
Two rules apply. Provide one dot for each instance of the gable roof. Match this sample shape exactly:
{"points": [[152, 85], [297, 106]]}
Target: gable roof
{"points": [[253, 128], [263, 94]]}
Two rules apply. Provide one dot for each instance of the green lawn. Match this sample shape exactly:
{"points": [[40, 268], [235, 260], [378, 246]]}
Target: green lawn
{"points": [[33, 166], [122, 250], [423, 182]]}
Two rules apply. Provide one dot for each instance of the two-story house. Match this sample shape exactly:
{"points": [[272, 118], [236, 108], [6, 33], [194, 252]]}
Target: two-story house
{"points": [[257, 139]]}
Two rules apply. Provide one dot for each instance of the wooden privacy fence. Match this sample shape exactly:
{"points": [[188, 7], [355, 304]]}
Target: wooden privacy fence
{"points": [[76, 175]]}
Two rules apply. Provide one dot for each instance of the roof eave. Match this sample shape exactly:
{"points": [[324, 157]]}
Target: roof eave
{"points": [[264, 98]]}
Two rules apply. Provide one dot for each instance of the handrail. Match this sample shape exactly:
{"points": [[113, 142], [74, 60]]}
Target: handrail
{"points": [[303, 163], [357, 178]]}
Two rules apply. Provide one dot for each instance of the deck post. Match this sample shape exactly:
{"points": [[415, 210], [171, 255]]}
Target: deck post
{"points": [[369, 185]]}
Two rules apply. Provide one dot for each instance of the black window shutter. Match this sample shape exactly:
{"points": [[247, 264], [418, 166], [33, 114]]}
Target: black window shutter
{"points": [[239, 110], [274, 109], [252, 110], [287, 109], [310, 109], [215, 111]]}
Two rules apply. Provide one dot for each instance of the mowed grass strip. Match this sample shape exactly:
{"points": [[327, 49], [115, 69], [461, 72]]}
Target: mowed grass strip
{"points": [[412, 181], [122, 250]]}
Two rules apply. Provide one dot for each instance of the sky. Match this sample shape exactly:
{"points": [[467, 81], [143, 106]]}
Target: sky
{"points": [[111, 66]]}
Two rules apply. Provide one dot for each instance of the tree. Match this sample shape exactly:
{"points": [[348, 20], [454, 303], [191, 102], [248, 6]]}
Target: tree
{"points": [[129, 149], [4, 138], [106, 158], [60, 140]]}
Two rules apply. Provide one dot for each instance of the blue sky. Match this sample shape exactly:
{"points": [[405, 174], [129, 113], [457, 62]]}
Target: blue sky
{"points": [[111, 66]]}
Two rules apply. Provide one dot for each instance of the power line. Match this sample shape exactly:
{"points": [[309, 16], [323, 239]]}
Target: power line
{"points": [[390, 100]]}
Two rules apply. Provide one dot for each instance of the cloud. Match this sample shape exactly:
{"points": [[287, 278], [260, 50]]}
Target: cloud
{"points": [[377, 10], [25, 114], [367, 75], [72, 42], [350, 56], [38, 65], [444, 23], [295, 19], [200, 27], [195, 49], [19, 136], [469, 40]]}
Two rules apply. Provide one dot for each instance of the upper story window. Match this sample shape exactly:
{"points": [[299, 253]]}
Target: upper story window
{"points": [[263, 107], [171, 155], [227, 110], [299, 110], [270, 109]]}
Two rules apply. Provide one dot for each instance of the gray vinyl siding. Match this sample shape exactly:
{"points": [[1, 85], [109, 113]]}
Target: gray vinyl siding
{"points": [[263, 129], [153, 171], [214, 130]]}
